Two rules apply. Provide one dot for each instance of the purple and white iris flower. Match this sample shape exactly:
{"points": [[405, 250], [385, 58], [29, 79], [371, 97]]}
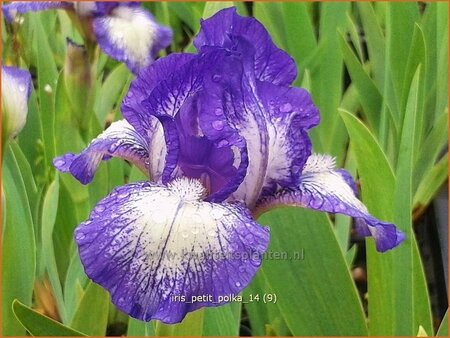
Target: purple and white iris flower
{"points": [[125, 31], [222, 137], [16, 90]]}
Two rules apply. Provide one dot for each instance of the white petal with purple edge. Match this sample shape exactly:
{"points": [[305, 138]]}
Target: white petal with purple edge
{"points": [[16, 89], [131, 35], [324, 188], [161, 252], [118, 140]]}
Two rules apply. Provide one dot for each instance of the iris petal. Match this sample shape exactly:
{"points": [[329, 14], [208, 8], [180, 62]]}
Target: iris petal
{"points": [[154, 248], [119, 140], [326, 189], [214, 153], [290, 112], [226, 27], [141, 87], [21, 7], [131, 35]]}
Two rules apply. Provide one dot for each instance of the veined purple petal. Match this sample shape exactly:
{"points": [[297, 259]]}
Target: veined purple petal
{"points": [[226, 28], [324, 188], [273, 120], [140, 89], [119, 140], [21, 7], [161, 252], [131, 35], [219, 159], [290, 113]]}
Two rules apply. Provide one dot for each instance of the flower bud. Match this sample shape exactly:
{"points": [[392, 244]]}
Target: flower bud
{"points": [[16, 89]]}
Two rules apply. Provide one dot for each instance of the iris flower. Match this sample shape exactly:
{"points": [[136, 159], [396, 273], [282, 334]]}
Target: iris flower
{"points": [[125, 31], [222, 137], [16, 90]]}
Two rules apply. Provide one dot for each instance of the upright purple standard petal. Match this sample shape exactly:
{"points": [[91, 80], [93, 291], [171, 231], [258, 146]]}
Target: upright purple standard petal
{"points": [[273, 120], [119, 140], [140, 89], [192, 150], [290, 114], [324, 188], [226, 28], [131, 35], [21, 7], [161, 252]]}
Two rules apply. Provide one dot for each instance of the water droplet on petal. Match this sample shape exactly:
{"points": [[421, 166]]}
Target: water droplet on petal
{"points": [[216, 77], [184, 234], [242, 268], [218, 125], [249, 239], [123, 194], [286, 108], [222, 143], [113, 147], [99, 208], [211, 233], [59, 163], [195, 231], [234, 246], [80, 236], [218, 111], [237, 284], [22, 88]]}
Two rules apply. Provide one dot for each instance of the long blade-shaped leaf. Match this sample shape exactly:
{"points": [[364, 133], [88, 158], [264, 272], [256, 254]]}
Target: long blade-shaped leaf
{"points": [[310, 279]]}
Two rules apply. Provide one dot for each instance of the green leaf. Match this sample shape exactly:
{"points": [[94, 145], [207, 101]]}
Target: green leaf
{"points": [[192, 325], [300, 36], [417, 57], [432, 181], [110, 92], [411, 303], [47, 80], [377, 179], [258, 313], [443, 328], [390, 274], [368, 94], [18, 245], [222, 320], [49, 211], [312, 285], [40, 325], [430, 149], [373, 163], [213, 7], [376, 45], [327, 85], [136, 328], [400, 20], [75, 284], [91, 316]]}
